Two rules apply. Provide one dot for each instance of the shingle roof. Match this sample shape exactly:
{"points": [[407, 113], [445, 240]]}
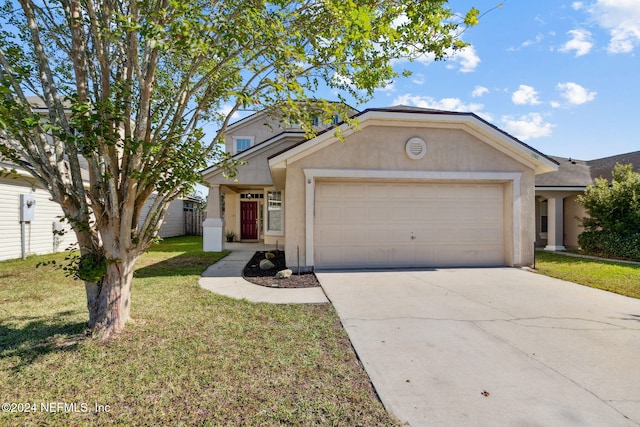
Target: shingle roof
{"points": [[570, 173], [603, 167], [580, 173]]}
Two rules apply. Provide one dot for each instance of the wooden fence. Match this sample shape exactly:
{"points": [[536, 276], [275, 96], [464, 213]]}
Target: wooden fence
{"points": [[193, 222]]}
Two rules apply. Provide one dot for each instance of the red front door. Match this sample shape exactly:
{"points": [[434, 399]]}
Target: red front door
{"points": [[248, 220]]}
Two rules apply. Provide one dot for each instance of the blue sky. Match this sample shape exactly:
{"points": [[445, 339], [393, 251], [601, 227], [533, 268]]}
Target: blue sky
{"points": [[562, 76]]}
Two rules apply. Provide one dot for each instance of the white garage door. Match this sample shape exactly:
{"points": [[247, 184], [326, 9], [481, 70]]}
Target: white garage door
{"points": [[381, 224]]}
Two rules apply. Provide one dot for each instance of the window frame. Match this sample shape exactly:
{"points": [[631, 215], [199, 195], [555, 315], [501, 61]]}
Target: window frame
{"points": [[278, 206], [544, 219], [238, 138]]}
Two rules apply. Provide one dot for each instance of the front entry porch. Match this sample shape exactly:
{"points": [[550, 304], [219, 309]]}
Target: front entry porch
{"points": [[558, 217], [243, 213]]}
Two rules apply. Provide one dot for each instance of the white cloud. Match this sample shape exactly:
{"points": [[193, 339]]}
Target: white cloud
{"points": [[418, 79], [622, 19], [526, 127], [226, 109], [538, 39], [580, 42], [525, 95], [389, 87], [577, 5], [341, 80], [486, 116], [467, 58], [478, 91], [400, 21], [575, 94], [527, 43], [447, 104]]}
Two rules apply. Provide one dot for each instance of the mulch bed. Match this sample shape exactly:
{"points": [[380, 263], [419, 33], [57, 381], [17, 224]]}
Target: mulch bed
{"points": [[254, 274]]}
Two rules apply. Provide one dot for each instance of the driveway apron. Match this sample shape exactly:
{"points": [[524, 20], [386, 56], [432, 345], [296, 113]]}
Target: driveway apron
{"points": [[492, 347]]}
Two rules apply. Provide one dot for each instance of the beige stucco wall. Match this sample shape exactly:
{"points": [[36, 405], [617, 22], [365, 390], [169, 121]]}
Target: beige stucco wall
{"points": [[231, 215], [572, 225], [261, 127], [383, 148], [256, 169]]}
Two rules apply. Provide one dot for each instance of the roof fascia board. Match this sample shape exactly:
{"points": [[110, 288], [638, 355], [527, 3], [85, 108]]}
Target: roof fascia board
{"points": [[559, 188]]}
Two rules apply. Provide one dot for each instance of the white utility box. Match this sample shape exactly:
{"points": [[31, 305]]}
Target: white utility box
{"points": [[27, 207]]}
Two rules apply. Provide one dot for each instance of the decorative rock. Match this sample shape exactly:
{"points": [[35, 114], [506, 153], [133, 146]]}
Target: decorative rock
{"points": [[283, 274], [265, 264], [269, 255]]}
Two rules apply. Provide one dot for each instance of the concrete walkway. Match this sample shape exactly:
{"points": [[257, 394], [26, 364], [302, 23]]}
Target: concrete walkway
{"points": [[225, 278]]}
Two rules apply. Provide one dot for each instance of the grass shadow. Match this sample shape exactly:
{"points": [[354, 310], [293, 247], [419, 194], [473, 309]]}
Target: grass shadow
{"points": [[38, 337], [635, 317]]}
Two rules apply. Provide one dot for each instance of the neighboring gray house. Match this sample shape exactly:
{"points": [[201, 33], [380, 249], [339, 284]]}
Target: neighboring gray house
{"points": [[557, 211]]}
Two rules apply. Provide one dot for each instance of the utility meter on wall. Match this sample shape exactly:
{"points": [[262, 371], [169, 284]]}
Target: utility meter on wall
{"points": [[27, 207]]}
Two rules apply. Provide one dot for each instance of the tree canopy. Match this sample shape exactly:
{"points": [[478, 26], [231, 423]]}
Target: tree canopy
{"points": [[613, 206], [124, 88]]}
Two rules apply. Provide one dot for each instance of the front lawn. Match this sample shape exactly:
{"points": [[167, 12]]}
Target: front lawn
{"points": [[615, 277], [188, 357]]}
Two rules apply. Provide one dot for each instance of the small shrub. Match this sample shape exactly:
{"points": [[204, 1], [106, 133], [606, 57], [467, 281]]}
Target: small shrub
{"points": [[611, 244]]}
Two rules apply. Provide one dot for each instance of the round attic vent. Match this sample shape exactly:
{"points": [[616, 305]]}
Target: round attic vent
{"points": [[416, 148]]}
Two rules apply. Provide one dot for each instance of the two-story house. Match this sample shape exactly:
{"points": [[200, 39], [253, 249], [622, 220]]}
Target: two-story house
{"points": [[411, 187]]}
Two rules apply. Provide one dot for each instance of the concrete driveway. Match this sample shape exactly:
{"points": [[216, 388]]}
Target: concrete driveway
{"points": [[492, 347]]}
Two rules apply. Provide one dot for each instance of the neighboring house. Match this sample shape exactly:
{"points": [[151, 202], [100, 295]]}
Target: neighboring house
{"points": [[411, 188], [557, 211], [39, 236], [174, 221]]}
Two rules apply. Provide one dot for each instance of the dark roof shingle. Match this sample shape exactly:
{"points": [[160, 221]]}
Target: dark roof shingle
{"points": [[580, 173]]}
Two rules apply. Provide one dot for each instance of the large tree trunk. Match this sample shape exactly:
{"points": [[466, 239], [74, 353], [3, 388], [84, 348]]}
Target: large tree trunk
{"points": [[109, 301]]}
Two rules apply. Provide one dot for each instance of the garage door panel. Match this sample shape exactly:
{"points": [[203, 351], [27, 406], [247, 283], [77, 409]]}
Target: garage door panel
{"points": [[402, 214], [360, 224]]}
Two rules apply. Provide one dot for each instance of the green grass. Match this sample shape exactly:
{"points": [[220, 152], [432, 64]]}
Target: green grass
{"points": [[615, 277], [188, 357]]}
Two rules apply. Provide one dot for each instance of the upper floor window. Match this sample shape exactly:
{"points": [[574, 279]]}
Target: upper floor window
{"points": [[335, 119], [241, 143]]}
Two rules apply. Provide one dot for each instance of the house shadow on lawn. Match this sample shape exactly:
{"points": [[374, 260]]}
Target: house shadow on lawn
{"points": [[39, 337], [179, 265]]}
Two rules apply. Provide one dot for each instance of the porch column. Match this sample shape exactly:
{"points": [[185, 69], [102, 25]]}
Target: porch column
{"points": [[555, 206], [213, 226]]}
